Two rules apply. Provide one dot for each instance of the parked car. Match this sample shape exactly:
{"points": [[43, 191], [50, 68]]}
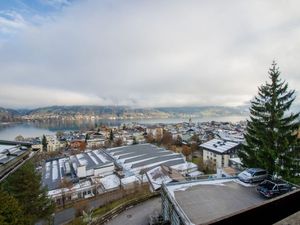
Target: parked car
{"points": [[272, 188], [253, 175]]}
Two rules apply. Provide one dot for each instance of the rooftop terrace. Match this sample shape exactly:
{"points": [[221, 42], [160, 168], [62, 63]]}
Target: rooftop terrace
{"points": [[205, 201]]}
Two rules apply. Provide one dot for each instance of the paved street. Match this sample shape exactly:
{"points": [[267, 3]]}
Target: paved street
{"points": [[68, 214], [138, 215]]}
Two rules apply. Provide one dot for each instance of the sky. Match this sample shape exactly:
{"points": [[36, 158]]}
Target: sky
{"points": [[144, 53]]}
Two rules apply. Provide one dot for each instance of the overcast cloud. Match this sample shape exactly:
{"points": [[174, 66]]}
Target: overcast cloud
{"points": [[148, 53]]}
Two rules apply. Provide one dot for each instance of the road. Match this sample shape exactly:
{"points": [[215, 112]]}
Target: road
{"points": [[139, 214], [68, 214]]}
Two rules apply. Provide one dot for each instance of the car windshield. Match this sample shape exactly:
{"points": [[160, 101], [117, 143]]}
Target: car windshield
{"points": [[267, 184], [251, 171]]}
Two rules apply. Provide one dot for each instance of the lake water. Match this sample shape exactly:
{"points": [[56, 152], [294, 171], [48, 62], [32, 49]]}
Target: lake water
{"points": [[10, 131]]}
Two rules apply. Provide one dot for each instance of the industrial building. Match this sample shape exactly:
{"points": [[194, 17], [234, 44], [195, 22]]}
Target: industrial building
{"points": [[135, 159], [95, 172]]}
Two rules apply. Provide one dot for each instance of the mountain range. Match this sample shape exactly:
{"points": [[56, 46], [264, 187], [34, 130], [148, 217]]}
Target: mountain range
{"points": [[116, 112]]}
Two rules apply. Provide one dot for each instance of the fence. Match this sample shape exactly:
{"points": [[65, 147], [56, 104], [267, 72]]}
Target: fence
{"points": [[116, 211]]}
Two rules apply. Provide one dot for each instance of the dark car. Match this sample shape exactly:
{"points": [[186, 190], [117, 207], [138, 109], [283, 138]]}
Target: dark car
{"points": [[272, 188]]}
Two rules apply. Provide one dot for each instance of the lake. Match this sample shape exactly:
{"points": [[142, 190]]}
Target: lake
{"points": [[36, 129]]}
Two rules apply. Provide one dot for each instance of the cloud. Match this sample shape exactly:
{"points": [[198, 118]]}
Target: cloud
{"points": [[142, 53], [10, 22]]}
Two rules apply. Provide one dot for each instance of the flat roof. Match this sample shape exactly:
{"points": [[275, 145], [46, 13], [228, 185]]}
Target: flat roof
{"points": [[206, 201], [144, 156], [11, 152], [90, 159], [218, 145], [54, 170]]}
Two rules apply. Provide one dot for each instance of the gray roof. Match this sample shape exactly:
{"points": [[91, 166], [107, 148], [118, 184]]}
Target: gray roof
{"points": [[137, 149], [168, 163], [91, 159], [145, 156], [53, 173], [156, 160], [132, 153], [10, 152], [204, 203], [149, 155], [55, 170]]}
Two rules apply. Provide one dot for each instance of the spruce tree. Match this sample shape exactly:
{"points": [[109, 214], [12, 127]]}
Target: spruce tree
{"points": [[10, 211], [25, 186], [44, 143], [271, 133]]}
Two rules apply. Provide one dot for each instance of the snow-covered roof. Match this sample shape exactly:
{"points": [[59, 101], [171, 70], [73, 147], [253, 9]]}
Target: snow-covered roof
{"points": [[218, 145], [129, 180], [144, 156], [195, 173], [236, 160], [163, 174], [90, 159], [110, 182]]}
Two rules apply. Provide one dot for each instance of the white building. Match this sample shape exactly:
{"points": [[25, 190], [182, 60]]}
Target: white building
{"points": [[219, 151]]}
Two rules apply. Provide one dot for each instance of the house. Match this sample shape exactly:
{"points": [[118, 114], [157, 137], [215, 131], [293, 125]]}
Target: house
{"points": [[52, 143], [78, 144], [219, 151], [155, 131]]}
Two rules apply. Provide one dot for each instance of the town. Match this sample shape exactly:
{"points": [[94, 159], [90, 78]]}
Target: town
{"points": [[149, 112], [111, 163]]}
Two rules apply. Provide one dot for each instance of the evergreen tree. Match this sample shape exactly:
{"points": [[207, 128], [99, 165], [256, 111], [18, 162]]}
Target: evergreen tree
{"points": [[10, 210], [270, 136], [111, 135], [25, 186], [134, 141], [44, 143]]}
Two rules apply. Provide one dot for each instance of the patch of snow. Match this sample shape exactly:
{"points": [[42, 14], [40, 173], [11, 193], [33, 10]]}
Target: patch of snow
{"points": [[184, 186], [48, 170], [110, 182], [129, 180], [54, 170]]}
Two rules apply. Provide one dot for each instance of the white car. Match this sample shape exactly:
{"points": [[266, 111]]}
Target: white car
{"points": [[253, 175]]}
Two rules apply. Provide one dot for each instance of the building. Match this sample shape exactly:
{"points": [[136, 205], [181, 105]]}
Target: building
{"points": [[91, 163], [52, 143], [12, 155], [135, 159], [78, 176], [162, 174], [223, 201], [219, 151], [78, 144]]}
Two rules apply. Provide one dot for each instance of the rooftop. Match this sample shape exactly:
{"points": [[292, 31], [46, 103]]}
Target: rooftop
{"points": [[57, 169], [144, 156], [10, 152], [206, 201], [218, 145]]}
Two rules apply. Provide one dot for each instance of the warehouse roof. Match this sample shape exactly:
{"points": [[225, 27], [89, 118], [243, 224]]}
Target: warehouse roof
{"points": [[144, 157]]}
